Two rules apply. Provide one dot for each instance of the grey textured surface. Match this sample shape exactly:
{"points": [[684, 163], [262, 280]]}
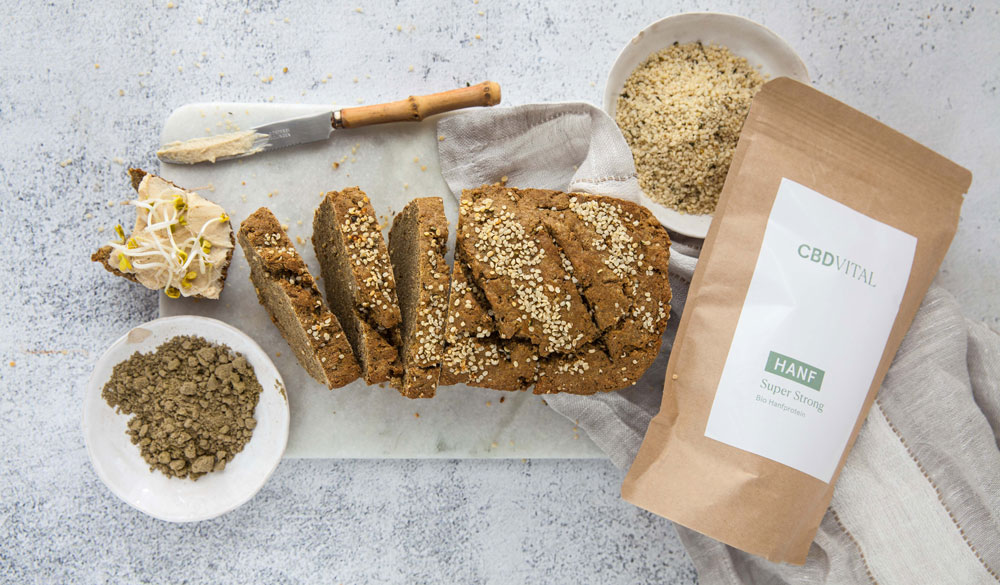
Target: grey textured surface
{"points": [[930, 71]]}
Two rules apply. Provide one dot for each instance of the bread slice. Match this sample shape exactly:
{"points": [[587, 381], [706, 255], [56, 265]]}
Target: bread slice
{"points": [[418, 242], [287, 290], [103, 254], [358, 279]]}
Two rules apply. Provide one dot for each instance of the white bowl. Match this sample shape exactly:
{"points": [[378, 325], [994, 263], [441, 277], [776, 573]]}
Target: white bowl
{"points": [[118, 463], [745, 38]]}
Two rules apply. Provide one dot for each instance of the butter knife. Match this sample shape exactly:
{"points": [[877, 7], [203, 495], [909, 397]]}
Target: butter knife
{"points": [[314, 127]]}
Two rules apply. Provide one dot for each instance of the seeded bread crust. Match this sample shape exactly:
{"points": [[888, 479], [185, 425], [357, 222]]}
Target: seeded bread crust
{"points": [[418, 242], [103, 254], [475, 354], [612, 254], [287, 290], [517, 265], [358, 279]]}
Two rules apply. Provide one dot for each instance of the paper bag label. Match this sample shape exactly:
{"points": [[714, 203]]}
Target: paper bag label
{"points": [[822, 300]]}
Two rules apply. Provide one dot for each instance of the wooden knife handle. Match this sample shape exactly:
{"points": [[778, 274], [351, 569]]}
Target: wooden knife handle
{"points": [[418, 107]]}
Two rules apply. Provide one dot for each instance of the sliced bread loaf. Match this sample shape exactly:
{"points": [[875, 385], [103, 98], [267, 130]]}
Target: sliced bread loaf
{"points": [[287, 290], [357, 276]]}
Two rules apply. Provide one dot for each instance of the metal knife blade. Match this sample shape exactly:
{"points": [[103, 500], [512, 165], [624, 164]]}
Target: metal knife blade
{"points": [[296, 131]]}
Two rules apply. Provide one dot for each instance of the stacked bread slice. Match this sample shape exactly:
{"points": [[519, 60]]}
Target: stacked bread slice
{"points": [[562, 292], [360, 286]]}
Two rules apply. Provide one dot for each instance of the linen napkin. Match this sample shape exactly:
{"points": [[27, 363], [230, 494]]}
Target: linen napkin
{"points": [[918, 500]]}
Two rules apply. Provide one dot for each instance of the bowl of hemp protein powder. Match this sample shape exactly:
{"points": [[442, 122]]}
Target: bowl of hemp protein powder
{"points": [[680, 91], [185, 418]]}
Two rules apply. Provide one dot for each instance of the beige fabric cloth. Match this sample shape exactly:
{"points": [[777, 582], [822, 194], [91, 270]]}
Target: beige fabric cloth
{"points": [[918, 501]]}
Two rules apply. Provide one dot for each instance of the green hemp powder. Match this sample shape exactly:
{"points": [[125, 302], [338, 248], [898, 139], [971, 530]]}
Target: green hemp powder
{"points": [[192, 403]]}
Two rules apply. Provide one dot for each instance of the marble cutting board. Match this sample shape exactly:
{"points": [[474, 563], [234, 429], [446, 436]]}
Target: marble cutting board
{"points": [[393, 164]]}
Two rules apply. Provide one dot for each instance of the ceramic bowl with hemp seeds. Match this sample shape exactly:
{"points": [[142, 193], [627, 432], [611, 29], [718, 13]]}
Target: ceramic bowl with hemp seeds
{"points": [[185, 418], [680, 92]]}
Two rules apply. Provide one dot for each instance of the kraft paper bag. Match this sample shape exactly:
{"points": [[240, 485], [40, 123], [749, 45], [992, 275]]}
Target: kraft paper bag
{"points": [[829, 230]]}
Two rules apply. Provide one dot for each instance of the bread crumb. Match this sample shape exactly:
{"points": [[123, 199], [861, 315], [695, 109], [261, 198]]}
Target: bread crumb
{"points": [[278, 354], [441, 138], [489, 403], [121, 92], [502, 398], [284, 69], [479, 38], [674, 377], [358, 10], [399, 28], [493, 445], [423, 167], [89, 215], [66, 162], [410, 68], [12, 363], [100, 229], [416, 415], [201, 20], [171, 5], [97, 65]]}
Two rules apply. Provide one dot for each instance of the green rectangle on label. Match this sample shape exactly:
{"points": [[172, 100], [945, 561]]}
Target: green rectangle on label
{"points": [[794, 370]]}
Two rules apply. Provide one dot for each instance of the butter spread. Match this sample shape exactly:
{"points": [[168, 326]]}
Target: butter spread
{"points": [[180, 242], [210, 148]]}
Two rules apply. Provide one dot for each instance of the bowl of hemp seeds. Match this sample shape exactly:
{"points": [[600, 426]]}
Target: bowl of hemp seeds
{"points": [[680, 91], [185, 418]]}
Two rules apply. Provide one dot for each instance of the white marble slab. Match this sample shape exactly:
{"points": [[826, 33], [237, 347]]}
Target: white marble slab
{"points": [[392, 164]]}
